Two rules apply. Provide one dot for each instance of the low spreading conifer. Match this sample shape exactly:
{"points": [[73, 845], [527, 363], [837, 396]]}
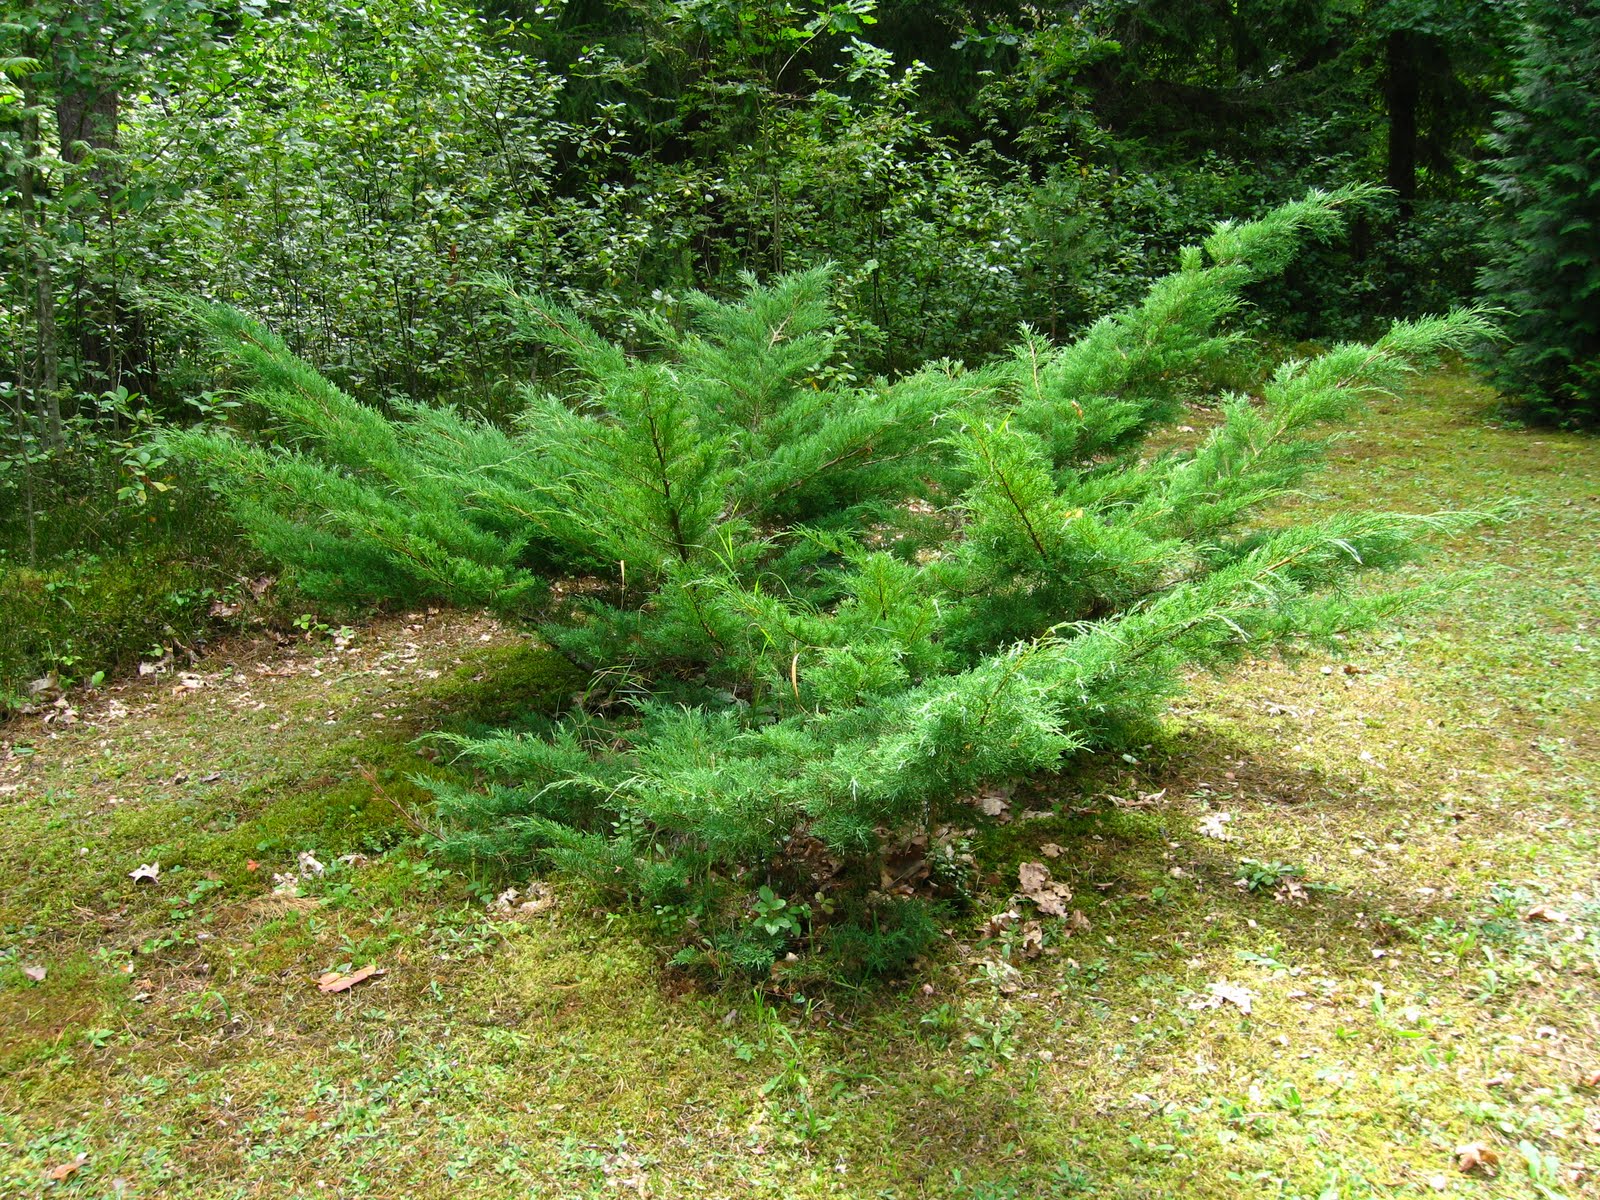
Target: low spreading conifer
{"points": [[819, 612]]}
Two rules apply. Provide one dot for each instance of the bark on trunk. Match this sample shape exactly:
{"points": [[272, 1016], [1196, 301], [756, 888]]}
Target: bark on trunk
{"points": [[88, 105], [1400, 97], [43, 376], [86, 117]]}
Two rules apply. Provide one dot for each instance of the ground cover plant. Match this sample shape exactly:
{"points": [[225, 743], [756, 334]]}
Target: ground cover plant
{"points": [[1433, 790], [819, 613]]}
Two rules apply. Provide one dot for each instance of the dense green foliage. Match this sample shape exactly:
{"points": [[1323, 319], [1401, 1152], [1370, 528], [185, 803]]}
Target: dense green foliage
{"points": [[1544, 247], [92, 614], [345, 171], [348, 173], [817, 612]]}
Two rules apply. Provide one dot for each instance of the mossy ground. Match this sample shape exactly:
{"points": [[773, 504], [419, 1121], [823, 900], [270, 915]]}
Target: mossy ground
{"points": [[1435, 787]]}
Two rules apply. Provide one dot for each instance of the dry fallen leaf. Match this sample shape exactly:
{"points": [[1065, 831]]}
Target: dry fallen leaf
{"points": [[150, 871], [539, 898], [1051, 850], [1290, 892], [63, 712], [1032, 944], [1592, 1079], [1000, 922], [1048, 896], [67, 1169], [905, 866], [1003, 975], [1475, 1156], [1543, 912], [1223, 992], [36, 974], [335, 982], [1216, 826], [993, 803]]}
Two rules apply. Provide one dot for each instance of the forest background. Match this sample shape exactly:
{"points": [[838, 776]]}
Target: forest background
{"points": [[350, 175]]}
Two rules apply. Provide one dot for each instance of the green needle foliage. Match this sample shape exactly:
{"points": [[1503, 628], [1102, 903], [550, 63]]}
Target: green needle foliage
{"points": [[819, 613], [1543, 252]]}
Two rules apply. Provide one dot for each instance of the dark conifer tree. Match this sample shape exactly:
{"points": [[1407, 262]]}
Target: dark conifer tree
{"points": [[1543, 253]]}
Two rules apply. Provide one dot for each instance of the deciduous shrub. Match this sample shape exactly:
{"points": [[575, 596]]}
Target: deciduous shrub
{"points": [[109, 579]]}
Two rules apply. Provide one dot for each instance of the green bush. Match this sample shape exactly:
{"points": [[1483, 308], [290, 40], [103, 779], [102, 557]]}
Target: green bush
{"points": [[98, 615], [103, 582], [816, 614], [880, 937]]}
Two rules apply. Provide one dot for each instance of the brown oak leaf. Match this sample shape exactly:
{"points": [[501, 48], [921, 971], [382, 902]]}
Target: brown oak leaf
{"points": [[1543, 912], [1048, 896], [335, 982], [67, 1169], [1475, 1156]]}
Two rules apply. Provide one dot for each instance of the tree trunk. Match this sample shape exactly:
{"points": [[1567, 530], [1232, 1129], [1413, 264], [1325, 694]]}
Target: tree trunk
{"points": [[88, 105], [86, 116], [1400, 93], [43, 376], [30, 506], [1248, 58]]}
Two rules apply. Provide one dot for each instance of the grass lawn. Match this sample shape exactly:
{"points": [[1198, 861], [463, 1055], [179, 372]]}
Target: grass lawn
{"points": [[1343, 920]]}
